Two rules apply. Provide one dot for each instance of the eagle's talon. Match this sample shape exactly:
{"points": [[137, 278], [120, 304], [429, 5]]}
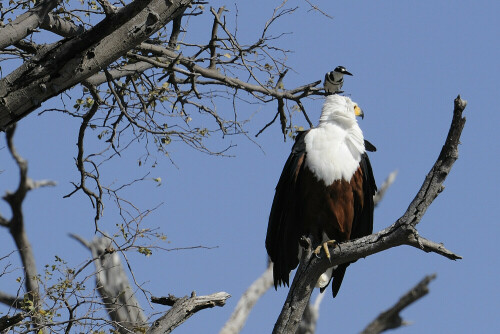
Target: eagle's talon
{"points": [[324, 246]]}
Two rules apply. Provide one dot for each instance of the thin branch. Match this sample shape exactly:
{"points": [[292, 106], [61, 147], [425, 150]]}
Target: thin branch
{"points": [[390, 319], [316, 8], [402, 232], [96, 199], [293, 94], [268, 124]]}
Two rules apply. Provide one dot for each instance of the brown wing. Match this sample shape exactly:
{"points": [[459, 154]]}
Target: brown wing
{"points": [[284, 227], [364, 188]]}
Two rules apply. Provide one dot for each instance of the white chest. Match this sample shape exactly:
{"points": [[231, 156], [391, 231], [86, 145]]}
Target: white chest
{"points": [[334, 153]]}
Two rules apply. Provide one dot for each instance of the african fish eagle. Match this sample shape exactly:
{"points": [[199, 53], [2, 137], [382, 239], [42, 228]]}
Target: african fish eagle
{"points": [[325, 191]]}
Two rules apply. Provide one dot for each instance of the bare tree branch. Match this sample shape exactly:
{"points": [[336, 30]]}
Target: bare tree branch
{"points": [[402, 232], [292, 94], [183, 308], [114, 287], [390, 319], [16, 225], [247, 302], [70, 61]]}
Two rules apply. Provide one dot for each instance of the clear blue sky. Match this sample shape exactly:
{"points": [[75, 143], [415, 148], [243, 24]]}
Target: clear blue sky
{"points": [[410, 60]]}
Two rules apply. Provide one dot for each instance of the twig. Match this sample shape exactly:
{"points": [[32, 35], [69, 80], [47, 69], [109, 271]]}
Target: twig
{"points": [[96, 199]]}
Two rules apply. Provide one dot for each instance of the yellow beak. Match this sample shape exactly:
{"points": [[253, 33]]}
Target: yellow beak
{"points": [[358, 111]]}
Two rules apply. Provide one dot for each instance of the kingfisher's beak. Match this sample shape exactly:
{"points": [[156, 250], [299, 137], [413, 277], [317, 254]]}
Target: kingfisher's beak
{"points": [[359, 112], [346, 73]]}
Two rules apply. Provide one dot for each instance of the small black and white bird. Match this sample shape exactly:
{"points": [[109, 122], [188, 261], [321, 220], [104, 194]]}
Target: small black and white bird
{"points": [[335, 79]]}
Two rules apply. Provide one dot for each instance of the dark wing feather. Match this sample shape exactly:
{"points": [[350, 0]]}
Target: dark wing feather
{"points": [[369, 146], [337, 277], [284, 228]]}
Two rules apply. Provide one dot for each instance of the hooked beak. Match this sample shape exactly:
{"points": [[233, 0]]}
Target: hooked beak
{"points": [[359, 112]]}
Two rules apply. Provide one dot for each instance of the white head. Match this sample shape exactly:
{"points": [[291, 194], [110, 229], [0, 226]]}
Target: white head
{"points": [[340, 110]]}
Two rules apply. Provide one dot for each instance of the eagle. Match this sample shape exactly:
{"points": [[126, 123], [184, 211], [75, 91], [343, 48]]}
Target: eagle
{"points": [[325, 192]]}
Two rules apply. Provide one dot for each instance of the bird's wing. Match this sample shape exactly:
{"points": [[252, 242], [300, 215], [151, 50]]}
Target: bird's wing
{"points": [[284, 228], [363, 218]]}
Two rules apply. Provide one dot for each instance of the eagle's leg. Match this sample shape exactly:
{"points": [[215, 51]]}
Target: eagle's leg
{"points": [[325, 245]]}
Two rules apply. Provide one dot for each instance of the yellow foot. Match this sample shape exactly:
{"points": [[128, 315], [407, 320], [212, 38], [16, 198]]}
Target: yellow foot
{"points": [[325, 245]]}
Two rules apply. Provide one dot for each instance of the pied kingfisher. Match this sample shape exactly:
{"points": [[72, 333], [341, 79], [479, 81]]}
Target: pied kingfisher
{"points": [[335, 79]]}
